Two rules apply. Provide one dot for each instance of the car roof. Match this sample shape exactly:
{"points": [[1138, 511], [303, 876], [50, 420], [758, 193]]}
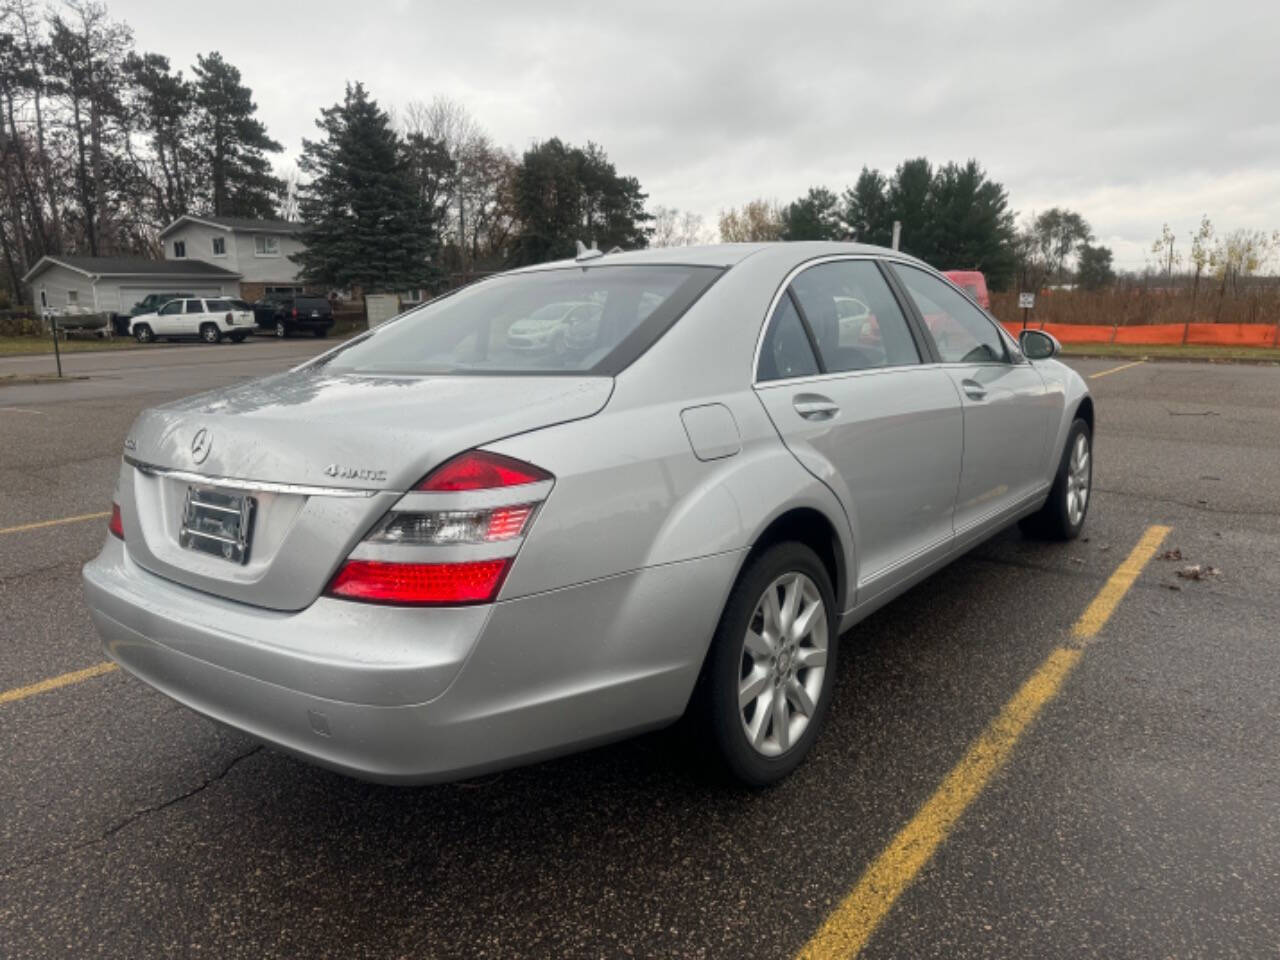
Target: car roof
{"points": [[721, 254]]}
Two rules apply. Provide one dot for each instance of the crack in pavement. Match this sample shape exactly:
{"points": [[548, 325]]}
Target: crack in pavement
{"points": [[132, 818], [1204, 507]]}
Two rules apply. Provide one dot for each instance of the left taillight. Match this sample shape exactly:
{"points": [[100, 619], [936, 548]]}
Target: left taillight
{"points": [[452, 539], [116, 526]]}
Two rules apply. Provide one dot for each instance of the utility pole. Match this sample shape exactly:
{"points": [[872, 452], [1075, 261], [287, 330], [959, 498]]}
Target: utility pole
{"points": [[897, 233]]}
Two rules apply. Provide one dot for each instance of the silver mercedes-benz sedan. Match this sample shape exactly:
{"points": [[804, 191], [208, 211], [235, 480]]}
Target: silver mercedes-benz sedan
{"points": [[427, 554]]}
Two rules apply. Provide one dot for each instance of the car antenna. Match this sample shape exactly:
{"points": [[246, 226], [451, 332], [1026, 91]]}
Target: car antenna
{"points": [[585, 254]]}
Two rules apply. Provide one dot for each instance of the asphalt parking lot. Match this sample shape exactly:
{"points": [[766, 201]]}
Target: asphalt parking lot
{"points": [[1137, 812]]}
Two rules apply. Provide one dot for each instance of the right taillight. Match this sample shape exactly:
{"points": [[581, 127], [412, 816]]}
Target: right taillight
{"points": [[116, 525], [478, 501]]}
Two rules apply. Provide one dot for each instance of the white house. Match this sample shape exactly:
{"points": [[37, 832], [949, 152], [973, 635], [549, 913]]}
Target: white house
{"points": [[259, 251], [112, 285]]}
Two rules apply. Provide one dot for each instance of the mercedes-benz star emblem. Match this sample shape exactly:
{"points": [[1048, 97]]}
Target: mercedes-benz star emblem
{"points": [[201, 444]]}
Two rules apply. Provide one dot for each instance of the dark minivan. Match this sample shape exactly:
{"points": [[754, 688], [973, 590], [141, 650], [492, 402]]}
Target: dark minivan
{"points": [[283, 315]]}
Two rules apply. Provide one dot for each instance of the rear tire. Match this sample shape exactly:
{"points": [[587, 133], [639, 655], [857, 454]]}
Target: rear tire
{"points": [[210, 333], [238, 337], [770, 673], [321, 332], [143, 333], [281, 330], [1063, 514]]}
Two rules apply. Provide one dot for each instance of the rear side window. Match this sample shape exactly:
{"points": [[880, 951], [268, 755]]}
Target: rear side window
{"points": [[856, 322], [962, 332], [594, 319], [216, 305], [194, 306], [785, 351]]}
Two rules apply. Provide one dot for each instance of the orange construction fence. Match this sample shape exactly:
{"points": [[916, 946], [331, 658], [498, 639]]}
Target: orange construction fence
{"points": [[1201, 334]]}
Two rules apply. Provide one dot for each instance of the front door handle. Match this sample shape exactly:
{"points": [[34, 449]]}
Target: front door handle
{"points": [[974, 390], [814, 406]]}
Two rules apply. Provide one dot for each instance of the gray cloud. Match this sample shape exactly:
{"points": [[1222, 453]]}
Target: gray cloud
{"points": [[1133, 113]]}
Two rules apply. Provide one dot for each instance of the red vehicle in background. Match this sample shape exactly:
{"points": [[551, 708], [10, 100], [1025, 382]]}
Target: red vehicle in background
{"points": [[971, 282]]}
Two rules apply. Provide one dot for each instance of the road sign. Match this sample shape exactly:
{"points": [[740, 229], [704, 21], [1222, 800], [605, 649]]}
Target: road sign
{"points": [[1026, 301]]}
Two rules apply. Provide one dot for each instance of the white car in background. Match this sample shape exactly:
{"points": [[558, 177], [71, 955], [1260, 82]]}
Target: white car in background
{"points": [[209, 319]]}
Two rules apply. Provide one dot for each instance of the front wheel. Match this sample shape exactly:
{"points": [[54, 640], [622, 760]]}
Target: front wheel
{"points": [[770, 673], [142, 333], [1063, 514]]}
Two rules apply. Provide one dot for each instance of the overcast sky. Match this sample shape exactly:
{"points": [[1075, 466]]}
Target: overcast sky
{"points": [[1132, 113]]}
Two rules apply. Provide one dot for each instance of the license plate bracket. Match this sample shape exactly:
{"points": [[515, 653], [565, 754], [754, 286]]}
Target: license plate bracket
{"points": [[218, 523]]}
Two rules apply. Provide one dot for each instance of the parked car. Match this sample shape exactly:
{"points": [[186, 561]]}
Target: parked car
{"points": [[421, 555], [972, 282], [283, 315], [148, 304], [209, 319], [547, 328]]}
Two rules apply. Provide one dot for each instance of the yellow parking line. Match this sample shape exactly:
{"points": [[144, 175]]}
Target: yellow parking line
{"points": [[847, 930], [1123, 366], [54, 683], [20, 528]]}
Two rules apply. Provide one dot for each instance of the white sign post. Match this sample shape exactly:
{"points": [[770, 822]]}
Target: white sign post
{"points": [[1027, 303]]}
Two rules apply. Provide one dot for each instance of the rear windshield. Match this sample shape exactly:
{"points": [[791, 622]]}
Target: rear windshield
{"points": [[311, 303], [578, 320]]}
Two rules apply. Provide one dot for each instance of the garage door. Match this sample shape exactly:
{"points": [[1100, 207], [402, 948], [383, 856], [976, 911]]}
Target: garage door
{"points": [[130, 295]]}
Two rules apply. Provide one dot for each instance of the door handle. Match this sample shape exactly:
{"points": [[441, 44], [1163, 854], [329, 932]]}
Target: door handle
{"points": [[813, 406], [974, 390]]}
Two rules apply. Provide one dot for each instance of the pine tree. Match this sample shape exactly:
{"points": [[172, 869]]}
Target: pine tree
{"points": [[564, 194], [162, 108], [234, 143], [367, 221]]}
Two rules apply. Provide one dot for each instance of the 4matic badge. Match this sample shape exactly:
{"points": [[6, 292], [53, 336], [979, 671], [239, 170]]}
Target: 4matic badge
{"points": [[339, 472]]}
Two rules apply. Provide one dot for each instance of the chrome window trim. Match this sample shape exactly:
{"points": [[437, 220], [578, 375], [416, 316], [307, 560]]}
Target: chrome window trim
{"points": [[235, 483], [783, 287]]}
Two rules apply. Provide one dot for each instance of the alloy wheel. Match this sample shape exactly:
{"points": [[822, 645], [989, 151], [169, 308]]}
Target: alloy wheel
{"points": [[784, 660], [1078, 480]]}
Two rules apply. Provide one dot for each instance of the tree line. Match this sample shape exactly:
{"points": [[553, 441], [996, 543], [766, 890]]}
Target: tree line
{"points": [[102, 145]]}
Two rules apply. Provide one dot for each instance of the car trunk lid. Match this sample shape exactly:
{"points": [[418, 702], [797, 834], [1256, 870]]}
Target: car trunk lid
{"points": [[320, 457]]}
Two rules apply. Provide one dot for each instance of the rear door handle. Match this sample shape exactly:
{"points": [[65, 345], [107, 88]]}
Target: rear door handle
{"points": [[813, 406], [974, 390]]}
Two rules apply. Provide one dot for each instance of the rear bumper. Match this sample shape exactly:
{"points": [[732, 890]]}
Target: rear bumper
{"points": [[413, 696]]}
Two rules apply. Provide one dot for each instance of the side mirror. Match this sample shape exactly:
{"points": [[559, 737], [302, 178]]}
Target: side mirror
{"points": [[1038, 345]]}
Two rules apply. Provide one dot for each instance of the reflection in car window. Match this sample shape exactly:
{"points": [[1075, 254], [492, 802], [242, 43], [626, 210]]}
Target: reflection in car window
{"points": [[785, 351], [585, 319], [962, 332], [854, 318]]}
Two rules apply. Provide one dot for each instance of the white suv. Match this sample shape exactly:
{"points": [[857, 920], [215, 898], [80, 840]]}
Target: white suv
{"points": [[210, 320]]}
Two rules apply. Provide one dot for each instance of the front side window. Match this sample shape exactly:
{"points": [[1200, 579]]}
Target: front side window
{"points": [[962, 332], [169, 309], [265, 246], [219, 246], [785, 351], [576, 320], [856, 322], [195, 306], [179, 249]]}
